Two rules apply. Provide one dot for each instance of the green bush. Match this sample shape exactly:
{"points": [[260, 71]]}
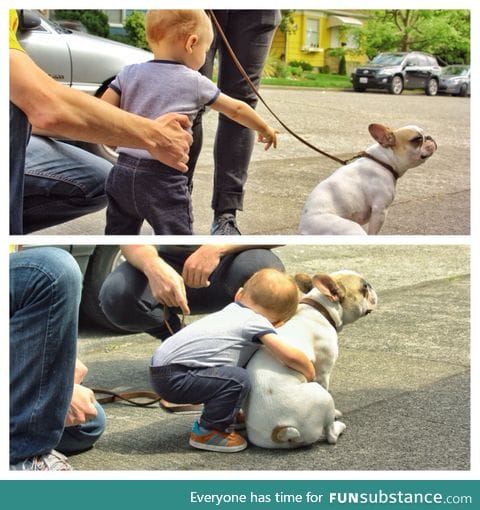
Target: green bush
{"points": [[135, 28], [301, 63], [295, 71]]}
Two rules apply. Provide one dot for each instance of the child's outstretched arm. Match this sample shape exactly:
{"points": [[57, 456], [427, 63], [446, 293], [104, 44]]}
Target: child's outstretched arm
{"points": [[246, 116], [289, 355]]}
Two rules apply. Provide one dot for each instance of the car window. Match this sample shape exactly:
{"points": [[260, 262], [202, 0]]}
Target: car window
{"points": [[388, 59], [413, 60], [455, 71]]}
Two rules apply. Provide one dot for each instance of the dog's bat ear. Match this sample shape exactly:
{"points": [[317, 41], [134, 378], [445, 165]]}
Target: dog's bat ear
{"points": [[382, 134], [329, 287], [304, 282]]}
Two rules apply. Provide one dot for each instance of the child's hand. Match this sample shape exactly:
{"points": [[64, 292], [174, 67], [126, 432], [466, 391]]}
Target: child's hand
{"points": [[268, 137]]}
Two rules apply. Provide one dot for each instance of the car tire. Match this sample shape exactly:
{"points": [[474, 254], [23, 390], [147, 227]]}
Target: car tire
{"points": [[359, 88], [102, 262], [396, 85], [432, 87], [104, 151], [463, 90]]}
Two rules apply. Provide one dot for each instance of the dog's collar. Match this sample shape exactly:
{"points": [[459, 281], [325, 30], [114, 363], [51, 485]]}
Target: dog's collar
{"points": [[385, 165], [320, 308]]}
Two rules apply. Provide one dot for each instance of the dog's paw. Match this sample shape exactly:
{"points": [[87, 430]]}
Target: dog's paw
{"points": [[338, 414]]}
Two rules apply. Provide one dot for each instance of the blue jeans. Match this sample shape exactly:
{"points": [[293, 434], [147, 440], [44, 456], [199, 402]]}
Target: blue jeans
{"points": [[250, 33], [45, 289], [62, 182], [145, 189], [221, 389], [51, 182], [82, 437], [126, 299], [20, 130]]}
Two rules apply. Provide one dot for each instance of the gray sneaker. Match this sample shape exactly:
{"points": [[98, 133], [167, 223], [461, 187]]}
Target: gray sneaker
{"points": [[225, 225], [53, 461]]}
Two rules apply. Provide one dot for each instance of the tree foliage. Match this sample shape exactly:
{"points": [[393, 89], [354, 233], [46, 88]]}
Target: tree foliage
{"points": [[135, 29], [444, 33], [95, 21]]}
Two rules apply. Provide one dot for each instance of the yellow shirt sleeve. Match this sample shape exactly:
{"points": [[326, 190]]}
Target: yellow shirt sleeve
{"points": [[13, 24]]}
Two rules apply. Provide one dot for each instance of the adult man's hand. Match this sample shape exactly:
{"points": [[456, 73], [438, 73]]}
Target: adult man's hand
{"points": [[173, 141], [201, 264], [167, 285], [82, 407]]}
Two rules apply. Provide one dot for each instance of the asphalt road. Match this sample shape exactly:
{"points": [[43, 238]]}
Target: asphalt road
{"points": [[433, 199], [402, 379]]}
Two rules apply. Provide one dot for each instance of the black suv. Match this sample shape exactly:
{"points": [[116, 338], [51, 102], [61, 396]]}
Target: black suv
{"points": [[398, 71]]}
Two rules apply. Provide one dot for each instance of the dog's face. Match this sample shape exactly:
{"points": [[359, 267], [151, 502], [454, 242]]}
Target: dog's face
{"points": [[348, 289], [409, 145]]}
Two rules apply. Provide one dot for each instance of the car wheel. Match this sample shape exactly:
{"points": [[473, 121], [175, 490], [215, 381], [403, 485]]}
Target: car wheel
{"points": [[102, 262], [396, 85], [463, 90], [104, 151], [359, 88], [432, 87]]}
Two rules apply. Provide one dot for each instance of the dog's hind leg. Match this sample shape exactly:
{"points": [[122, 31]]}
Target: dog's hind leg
{"points": [[329, 224], [334, 431]]}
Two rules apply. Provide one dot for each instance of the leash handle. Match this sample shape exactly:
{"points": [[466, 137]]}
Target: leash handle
{"points": [[257, 93]]}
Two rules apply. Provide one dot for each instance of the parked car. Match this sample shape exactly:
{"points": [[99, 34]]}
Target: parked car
{"points": [[455, 80], [398, 71], [76, 59], [96, 263]]}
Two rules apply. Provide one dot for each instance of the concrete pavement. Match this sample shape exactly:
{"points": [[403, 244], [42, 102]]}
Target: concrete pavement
{"points": [[432, 199], [401, 381]]}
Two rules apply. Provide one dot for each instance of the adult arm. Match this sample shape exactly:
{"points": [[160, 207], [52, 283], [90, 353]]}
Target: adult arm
{"points": [[166, 285], [289, 355], [203, 261], [54, 108]]}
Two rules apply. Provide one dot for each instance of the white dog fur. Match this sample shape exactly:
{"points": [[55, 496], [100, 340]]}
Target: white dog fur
{"points": [[361, 192], [283, 410]]}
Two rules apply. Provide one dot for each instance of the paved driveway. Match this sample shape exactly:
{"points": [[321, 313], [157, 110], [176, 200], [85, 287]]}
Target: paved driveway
{"points": [[432, 199]]}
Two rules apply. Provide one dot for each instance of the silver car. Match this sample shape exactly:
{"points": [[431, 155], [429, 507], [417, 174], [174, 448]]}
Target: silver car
{"points": [[76, 59], [455, 80]]}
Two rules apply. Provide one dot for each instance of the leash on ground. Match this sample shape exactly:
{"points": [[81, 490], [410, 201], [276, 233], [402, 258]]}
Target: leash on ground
{"points": [[257, 93], [148, 398], [140, 398]]}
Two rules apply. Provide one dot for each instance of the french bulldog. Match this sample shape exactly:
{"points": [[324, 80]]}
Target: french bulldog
{"points": [[283, 410], [361, 192]]}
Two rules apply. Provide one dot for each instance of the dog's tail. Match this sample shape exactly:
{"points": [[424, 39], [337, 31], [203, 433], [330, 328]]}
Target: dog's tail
{"points": [[286, 434]]}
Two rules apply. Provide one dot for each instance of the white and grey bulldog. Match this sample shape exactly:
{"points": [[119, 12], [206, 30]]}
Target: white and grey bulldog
{"points": [[283, 410], [360, 193]]}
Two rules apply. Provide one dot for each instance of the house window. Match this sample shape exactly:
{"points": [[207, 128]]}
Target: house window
{"points": [[312, 34], [115, 16]]}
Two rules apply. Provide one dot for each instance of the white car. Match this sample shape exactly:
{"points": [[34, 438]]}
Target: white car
{"points": [[76, 59]]}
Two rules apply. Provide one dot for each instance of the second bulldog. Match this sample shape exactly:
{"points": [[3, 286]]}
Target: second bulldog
{"points": [[283, 410]]}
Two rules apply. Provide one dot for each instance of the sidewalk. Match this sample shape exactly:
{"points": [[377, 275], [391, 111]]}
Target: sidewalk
{"points": [[401, 381]]}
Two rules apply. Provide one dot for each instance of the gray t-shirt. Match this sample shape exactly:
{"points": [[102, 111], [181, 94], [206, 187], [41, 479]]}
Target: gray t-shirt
{"points": [[227, 337], [153, 88]]}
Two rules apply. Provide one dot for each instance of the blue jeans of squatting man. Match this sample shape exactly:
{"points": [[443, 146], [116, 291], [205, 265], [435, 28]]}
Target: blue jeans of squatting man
{"points": [[45, 289], [221, 389], [145, 189], [51, 182]]}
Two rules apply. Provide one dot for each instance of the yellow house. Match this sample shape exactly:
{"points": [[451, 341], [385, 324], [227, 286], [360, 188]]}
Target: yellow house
{"points": [[314, 32]]}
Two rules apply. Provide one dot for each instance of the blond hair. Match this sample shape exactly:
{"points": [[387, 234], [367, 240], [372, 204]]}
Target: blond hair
{"points": [[173, 24], [273, 290]]}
